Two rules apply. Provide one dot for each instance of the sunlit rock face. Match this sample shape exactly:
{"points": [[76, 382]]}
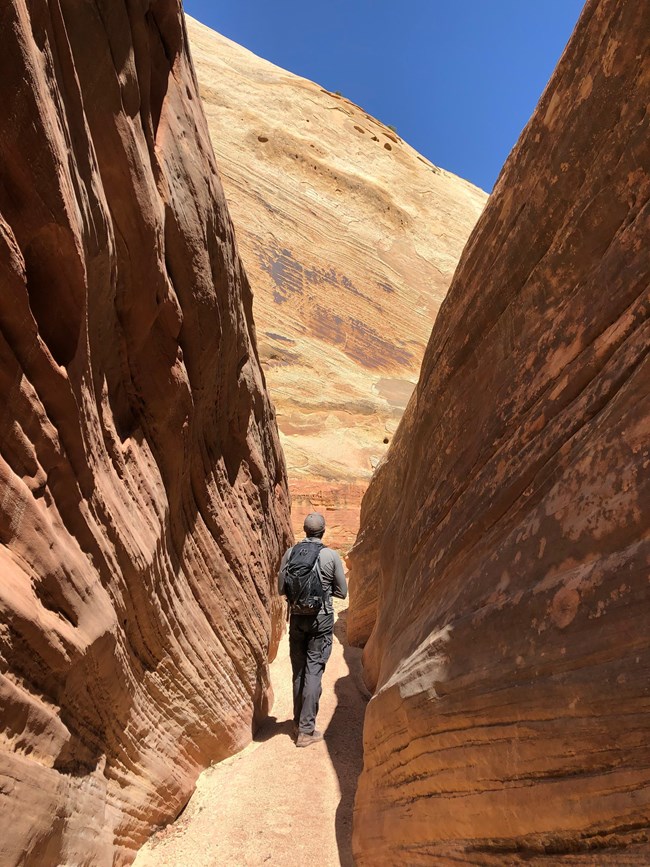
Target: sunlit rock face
{"points": [[508, 532], [143, 498], [350, 239]]}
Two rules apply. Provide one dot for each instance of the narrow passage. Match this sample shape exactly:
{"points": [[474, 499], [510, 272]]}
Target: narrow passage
{"points": [[274, 804]]}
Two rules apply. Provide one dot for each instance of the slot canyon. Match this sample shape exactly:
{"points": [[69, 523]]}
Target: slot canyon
{"points": [[231, 297]]}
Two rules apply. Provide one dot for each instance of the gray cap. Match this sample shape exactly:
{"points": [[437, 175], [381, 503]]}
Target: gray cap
{"points": [[314, 523]]}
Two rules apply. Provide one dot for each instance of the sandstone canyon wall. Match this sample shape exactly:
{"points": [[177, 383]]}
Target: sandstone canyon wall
{"points": [[143, 498], [350, 239], [503, 561]]}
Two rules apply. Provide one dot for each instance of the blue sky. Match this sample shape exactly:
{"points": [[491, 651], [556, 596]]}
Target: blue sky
{"points": [[458, 79]]}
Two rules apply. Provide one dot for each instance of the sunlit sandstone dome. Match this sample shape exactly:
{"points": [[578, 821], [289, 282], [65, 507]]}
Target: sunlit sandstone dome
{"points": [[350, 239]]}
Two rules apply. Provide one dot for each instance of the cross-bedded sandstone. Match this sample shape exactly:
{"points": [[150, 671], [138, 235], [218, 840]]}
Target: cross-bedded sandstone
{"points": [[350, 239], [501, 573]]}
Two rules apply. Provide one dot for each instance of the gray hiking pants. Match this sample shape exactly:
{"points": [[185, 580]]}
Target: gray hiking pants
{"points": [[310, 645]]}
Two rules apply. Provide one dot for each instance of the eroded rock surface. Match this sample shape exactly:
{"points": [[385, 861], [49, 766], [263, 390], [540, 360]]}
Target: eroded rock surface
{"points": [[350, 239], [143, 499], [508, 532]]}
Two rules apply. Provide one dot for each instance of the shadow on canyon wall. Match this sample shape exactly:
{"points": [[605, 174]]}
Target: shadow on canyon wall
{"points": [[344, 738]]}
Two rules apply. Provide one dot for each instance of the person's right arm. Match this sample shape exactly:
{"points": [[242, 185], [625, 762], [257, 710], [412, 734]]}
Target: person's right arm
{"points": [[339, 584]]}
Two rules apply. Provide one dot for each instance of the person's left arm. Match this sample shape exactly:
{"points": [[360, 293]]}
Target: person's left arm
{"points": [[281, 589]]}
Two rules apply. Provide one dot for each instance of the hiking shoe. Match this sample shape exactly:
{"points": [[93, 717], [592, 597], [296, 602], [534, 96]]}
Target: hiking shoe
{"points": [[305, 740]]}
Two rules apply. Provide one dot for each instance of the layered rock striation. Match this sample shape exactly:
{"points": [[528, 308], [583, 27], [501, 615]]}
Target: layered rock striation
{"points": [[501, 573], [350, 239], [143, 497]]}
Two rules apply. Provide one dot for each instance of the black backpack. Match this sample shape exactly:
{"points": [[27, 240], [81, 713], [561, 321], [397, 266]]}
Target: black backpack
{"points": [[301, 582]]}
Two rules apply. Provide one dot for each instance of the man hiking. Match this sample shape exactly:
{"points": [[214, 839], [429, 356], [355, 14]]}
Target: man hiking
{"points": [[310, 574]]}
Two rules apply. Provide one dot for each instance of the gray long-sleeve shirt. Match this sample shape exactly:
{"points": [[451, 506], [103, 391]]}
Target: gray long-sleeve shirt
{"points": [[330, 572]]}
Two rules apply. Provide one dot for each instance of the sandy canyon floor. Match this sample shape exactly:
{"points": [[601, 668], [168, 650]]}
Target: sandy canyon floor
{"points": [[274, 803]]}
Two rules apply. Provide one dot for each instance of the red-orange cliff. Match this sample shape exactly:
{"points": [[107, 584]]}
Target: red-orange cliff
{"points": [[143, 497], [500, 577]]}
